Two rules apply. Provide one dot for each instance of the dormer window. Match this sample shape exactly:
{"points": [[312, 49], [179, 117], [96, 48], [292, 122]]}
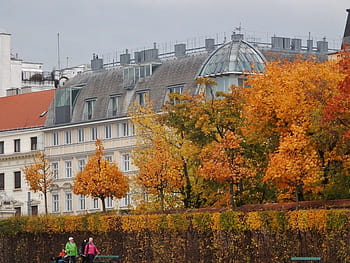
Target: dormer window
{"points": [[89, 109], [141, 98], [114, 105], [175, 89]]}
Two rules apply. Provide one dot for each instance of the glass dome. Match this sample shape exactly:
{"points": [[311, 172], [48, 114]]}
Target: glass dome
{"points": [[235, 57]]}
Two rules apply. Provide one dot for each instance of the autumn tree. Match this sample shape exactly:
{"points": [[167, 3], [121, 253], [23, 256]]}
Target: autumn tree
{"points": [[213, 122], [222, 161], [161, 156], [282, 112], [39, 176], [100, 178]]}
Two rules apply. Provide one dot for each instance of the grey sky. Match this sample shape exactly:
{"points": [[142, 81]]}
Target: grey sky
{"points": [[108, 26]]}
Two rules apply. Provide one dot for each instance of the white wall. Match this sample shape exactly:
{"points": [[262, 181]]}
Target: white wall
{"points": [[11, 162], [5, 64]]}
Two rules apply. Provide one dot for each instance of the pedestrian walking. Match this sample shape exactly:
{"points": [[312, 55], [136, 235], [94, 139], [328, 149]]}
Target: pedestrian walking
{"points": [[71, 250], [91, 250]]}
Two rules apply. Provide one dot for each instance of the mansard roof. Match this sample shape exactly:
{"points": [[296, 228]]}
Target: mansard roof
{"points": [[101, 85], [25, 110]]}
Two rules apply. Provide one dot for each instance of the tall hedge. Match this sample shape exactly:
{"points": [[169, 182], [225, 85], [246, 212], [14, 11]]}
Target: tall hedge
{"points": [[268, 236]]}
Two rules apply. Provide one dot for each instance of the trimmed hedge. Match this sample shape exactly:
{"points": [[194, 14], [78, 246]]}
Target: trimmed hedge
{"points": [[266, 236]]}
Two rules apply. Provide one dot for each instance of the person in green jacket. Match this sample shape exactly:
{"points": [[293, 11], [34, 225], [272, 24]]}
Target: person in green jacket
{"points": [[71, 250]]}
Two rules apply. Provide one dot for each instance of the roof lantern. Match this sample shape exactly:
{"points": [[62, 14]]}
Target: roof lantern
{"points": [[234, 57]]}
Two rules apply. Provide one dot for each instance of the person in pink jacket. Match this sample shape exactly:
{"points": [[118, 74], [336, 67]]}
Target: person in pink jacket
{"points": [[91, 250]]}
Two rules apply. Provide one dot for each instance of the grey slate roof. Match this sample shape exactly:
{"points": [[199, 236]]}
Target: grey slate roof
{"points": [[100, 85]]}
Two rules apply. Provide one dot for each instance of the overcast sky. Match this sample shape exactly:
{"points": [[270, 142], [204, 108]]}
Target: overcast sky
{"points": [[107, 27]]}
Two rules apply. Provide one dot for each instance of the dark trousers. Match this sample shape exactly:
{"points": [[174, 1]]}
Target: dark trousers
{"points": [[71, 259], [90, 258]]}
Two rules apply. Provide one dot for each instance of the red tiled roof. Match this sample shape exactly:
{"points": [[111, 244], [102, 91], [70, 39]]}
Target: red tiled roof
{"points": [[23, 111]]}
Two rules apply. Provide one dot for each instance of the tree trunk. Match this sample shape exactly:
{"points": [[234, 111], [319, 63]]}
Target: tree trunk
{"points": [[188, 186], [161, 198], [233, 201], [103, 204], [45, 200]]}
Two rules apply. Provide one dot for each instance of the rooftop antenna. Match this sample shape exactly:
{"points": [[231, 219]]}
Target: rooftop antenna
{"points": [[58, 51]]}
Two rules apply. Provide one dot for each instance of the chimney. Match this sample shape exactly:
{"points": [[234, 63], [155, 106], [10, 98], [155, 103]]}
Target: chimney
{"points": [[310, 44], [322, 46], [346, 38], [96, 63], [210, 44], [180, 50], [296, 44], [125, 58]]}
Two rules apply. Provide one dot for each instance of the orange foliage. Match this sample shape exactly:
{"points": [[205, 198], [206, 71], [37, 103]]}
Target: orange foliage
{"points": [[39, 176], [100, 178], [282, 111]]}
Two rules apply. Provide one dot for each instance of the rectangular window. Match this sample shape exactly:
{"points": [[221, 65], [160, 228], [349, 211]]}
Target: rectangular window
{"points": [[55, 141], [175, 89], [17, 180], [2, 181], [126, 201], [94, 134], [55, 203], [33, 143], [82, 202], [141, 98], [125, 129], [109, 202], [81, 135], [54, 169], [108, 158], [126, 162], [17, 145], [113, 107], [95, 203], [68, 169], [81, 164], [108, 131], [89, 109], [2, 150], [69, 202], [68, 137]]}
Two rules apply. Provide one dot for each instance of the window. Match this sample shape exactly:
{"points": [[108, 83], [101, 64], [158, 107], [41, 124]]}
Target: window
{"points": [[2, 181], [17, 180], [55, 203], [175, 89], [81, 165], [141, 98], [89, 109], [68, 137], [2, 150], [113, 107], [125, 127], [68, 169], [108, 158], [81, 135], [109, 202], [108, 131], [94, 134], [95, 203], [82, 202], [55, 141], [17, 145], [68, 202], [33, 143], [126, 162], [54, 168], [126, 200]]}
